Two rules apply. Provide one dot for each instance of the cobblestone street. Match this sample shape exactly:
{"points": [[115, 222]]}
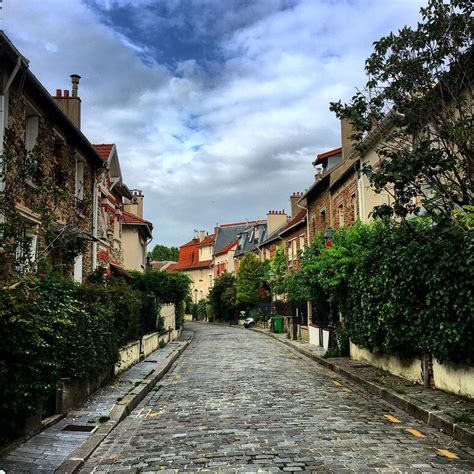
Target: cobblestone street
{"points": [[238, 401]]}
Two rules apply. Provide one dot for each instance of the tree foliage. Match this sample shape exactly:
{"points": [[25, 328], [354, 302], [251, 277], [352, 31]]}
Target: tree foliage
{"points": [[164, 253], [167, 287], [417, 107], [222, 296], [401, 290], [250, 279], [278, 266]]}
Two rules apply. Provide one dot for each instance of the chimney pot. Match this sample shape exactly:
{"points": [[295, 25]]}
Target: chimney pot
{"points": [[59, 92], [75, 84], [66, 93]]}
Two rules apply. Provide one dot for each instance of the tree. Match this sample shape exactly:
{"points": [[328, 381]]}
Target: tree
{"points": [[167, 287], [163, 253], [222, 296], [417, 106], [278, 267], [250, 279]]}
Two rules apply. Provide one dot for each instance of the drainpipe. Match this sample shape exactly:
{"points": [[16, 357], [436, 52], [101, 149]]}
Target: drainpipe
{"points": [[360, 186], [95, 211], [309, 307]]}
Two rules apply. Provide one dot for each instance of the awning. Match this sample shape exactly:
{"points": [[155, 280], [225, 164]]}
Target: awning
{"points": [[119, 271], [67, 229]]}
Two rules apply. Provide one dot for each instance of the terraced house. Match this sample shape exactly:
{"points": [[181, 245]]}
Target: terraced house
{"points": [[48, 204]]}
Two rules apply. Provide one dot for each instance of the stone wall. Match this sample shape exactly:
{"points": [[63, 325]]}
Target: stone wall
{"points": [[51, 191], [168, 313]]}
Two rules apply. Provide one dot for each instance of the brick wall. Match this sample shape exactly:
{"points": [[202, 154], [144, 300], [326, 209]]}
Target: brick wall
{"points": [[344, 202], [317, 220]]}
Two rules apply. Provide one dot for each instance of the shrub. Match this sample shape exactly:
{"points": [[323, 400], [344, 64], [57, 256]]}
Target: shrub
{"points": [[403, 288]]}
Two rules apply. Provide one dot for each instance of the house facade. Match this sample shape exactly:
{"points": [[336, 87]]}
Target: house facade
{"points": [[48, 180], [137, 233], [196, 260], [112, 194]]}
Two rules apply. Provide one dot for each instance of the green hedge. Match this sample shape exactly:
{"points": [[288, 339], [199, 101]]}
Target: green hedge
{"points": [[52, 328], [403, 288]]}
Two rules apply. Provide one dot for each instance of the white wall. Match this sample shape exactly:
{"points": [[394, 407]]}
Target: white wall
{"points": [[458, 379]]}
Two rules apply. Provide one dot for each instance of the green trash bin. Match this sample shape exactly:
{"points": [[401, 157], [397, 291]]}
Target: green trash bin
{"points": [[278, 324]]}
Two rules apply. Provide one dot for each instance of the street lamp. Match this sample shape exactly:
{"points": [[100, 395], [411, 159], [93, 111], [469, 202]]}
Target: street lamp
{"points": [[195, 303]]}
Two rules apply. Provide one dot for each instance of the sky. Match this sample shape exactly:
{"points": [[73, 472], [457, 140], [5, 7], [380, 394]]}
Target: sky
{"points": [[217, 107]]}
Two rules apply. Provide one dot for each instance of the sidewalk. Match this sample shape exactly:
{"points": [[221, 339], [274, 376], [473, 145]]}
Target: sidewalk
{"points": [[437, 408], [99, 414]]}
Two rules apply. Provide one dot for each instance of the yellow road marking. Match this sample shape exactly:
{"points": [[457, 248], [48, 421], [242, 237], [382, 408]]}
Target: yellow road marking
{"points": [[448, 454], [392, 419], [176, 380], [153, 413], [335, 382], [415, 432]]}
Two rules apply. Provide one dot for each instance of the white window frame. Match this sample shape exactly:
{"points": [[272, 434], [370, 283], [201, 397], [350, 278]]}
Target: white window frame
{"points": [[31, 128], [340, 214]]}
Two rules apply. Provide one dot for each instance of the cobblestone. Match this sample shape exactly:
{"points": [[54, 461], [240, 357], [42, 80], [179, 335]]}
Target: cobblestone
{"points": [[239, 402]]}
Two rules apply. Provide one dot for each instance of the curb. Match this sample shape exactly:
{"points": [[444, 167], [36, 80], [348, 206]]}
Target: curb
{"points": [[120, 411], [437, 419]]}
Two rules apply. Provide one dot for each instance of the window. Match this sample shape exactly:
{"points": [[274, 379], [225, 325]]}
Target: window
{"points": [[354, 205], [26, 247], [340, 211], [322, 216], [302, 244], [292, 250], [31, 128]]}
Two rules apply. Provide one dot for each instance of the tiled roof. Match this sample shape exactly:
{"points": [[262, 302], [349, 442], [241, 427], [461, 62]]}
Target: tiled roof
{"points": [[226, 248], [104, 150], [129, 218], [227, 234], [208, 240], [298, 219], [327, 154]]}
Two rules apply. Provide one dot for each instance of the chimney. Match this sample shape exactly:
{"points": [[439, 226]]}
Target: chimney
{"points": [[275, 219], [135, 207], [346, 142], [293, 203], [70, 104], [201, 235]]}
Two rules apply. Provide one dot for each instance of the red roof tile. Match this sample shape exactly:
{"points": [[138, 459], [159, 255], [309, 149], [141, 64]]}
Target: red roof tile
{"points": [[327, 154], [227, 247], [129, 218], [189, 254], [208, 240], [104, 150]]}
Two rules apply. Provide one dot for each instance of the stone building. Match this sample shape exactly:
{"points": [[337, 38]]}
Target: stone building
{"points": [[48, 183]]}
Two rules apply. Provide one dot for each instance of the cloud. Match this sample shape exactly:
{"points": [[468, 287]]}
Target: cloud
{"points": [[217, 108]]}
